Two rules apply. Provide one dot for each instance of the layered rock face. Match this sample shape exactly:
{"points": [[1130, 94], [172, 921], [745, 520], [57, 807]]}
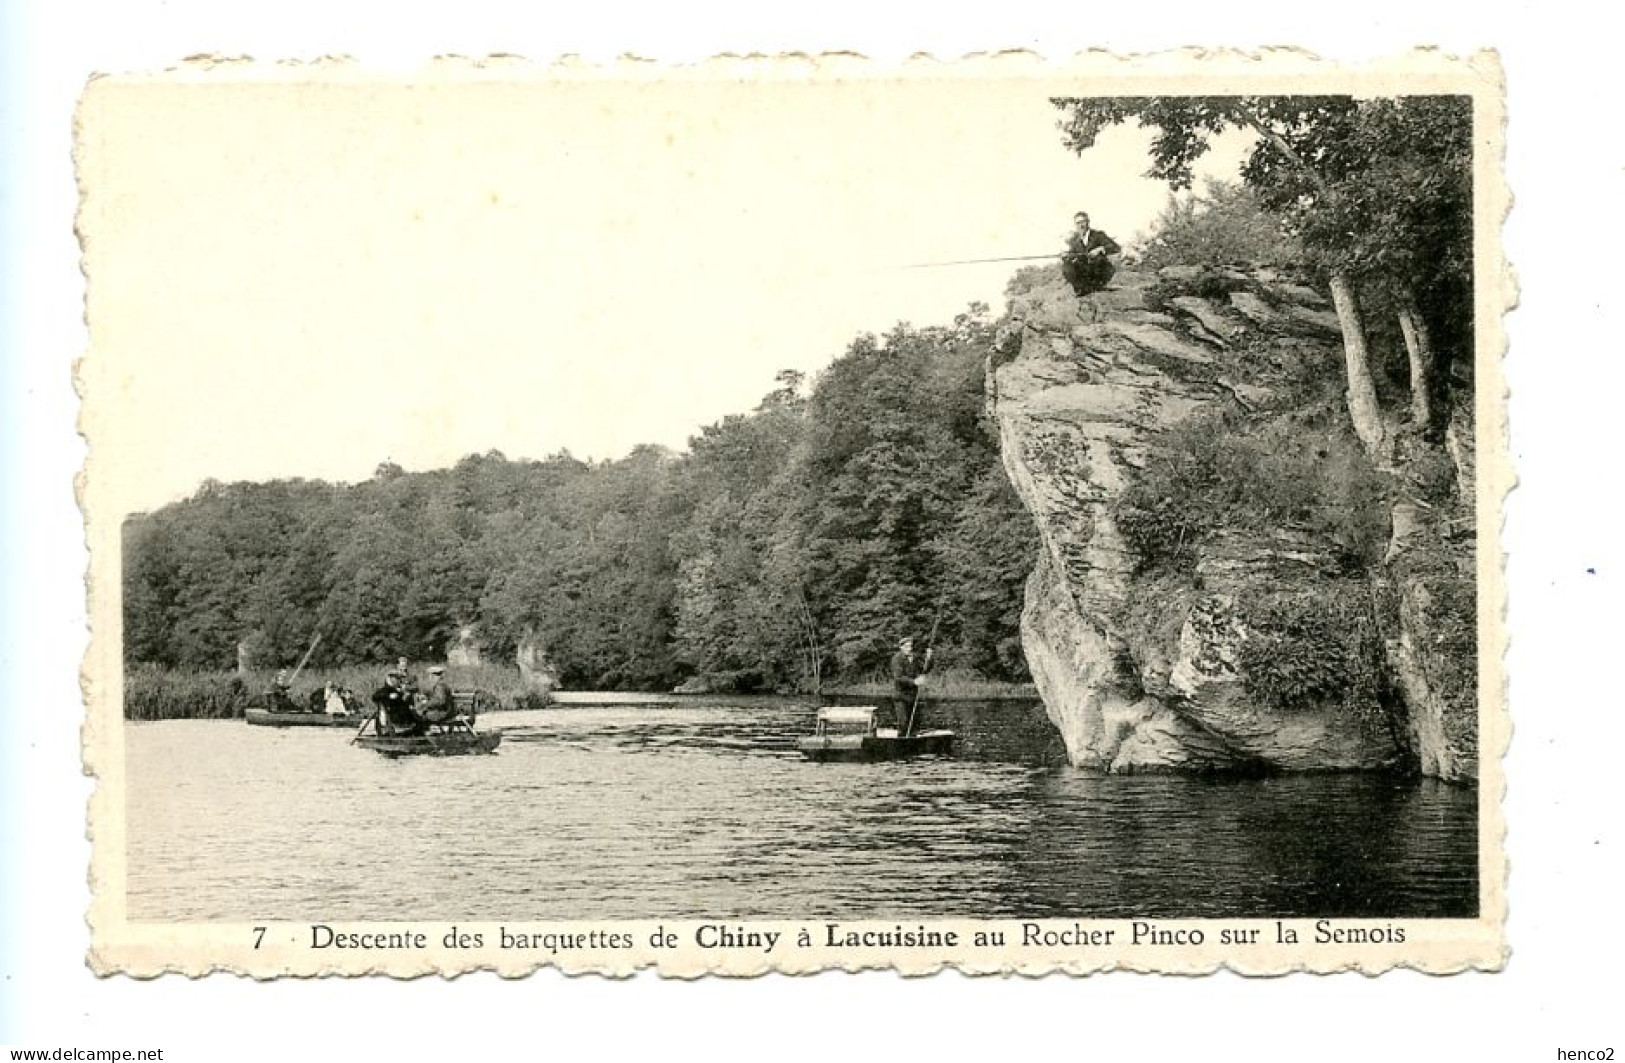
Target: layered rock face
{"points": [[1427, 589], [535, 669], [1146, 669], [465, 652]]}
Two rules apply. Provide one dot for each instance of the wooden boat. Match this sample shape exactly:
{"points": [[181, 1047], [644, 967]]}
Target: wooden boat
{"points": [[453, 737], [273, 718], [848, 733], [446, 743]]}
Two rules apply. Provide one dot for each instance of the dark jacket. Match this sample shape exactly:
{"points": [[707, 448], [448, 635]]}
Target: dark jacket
{"points": [[904, 671], [279, 699], [395, 700], [1078, 245], [441, 706]]}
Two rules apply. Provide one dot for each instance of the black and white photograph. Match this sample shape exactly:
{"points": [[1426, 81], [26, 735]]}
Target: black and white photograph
{"points": [[789, 515]]}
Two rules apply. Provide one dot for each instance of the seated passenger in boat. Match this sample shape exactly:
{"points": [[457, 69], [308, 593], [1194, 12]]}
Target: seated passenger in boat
{"points": [[277, 696], [409, 682], [440, 705], [396, 713], [333, 701]]}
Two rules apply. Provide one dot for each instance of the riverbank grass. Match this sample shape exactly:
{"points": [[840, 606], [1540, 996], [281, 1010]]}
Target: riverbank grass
{"points": [[169, 694], [944, 686]]}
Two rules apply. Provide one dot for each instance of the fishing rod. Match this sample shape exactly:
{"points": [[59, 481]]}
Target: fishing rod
{"points": [[979, 261]]}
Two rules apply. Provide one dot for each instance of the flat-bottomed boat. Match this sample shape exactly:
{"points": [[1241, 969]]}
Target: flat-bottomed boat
{"points": [[848, 733]]}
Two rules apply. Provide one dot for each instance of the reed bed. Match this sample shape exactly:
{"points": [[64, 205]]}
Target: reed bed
{"points": [[948, 686], [170, 694]]}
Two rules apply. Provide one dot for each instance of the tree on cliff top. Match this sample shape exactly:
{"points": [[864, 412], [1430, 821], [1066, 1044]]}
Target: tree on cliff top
{"points": [[1377, 190], [1224, 223]]}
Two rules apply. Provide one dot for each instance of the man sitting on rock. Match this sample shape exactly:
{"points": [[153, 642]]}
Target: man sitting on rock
{"points": [[1086, 264]]}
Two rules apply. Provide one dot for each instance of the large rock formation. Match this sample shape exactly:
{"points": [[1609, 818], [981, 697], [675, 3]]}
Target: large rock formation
{"points": [[536, 671], [1427, 588], [1147, 667], [465, 652]]}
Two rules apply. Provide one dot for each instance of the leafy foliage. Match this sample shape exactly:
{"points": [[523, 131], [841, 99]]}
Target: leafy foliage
{"points": [[1308, 648], [896, 451], [1223, 224], [791, 544], [1214, 472]]}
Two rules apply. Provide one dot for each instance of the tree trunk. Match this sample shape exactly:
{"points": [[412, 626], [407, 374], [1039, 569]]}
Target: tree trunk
{"points": [[1362, 392], [809, 631], [1419, 347]]}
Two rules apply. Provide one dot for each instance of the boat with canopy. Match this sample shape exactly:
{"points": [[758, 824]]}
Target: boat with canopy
{"points": [[849, 733]]}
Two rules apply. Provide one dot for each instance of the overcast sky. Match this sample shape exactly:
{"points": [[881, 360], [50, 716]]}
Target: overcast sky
{"points": [[297, 280]]}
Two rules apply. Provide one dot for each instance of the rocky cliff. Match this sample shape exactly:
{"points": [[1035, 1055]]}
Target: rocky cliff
{"points": [[1224, 581]]}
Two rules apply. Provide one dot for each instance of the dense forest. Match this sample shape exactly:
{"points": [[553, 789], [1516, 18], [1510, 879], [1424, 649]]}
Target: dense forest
{"points": [[789, 547]]}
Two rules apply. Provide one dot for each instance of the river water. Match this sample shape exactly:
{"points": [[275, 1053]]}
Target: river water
{"points": [[704, 809]]}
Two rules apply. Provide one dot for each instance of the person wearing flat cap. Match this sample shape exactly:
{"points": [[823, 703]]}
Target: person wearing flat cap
{"points": [[907, 675], [440, 706]]}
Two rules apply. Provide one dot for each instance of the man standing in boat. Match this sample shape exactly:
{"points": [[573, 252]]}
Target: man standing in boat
{"points": [[907, 676]]}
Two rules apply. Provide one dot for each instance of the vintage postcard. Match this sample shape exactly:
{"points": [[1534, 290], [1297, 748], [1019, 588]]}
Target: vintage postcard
{"points": [[796, 513]]}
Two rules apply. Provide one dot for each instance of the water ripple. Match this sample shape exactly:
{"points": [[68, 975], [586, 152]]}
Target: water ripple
{"points": [[656, 810]]}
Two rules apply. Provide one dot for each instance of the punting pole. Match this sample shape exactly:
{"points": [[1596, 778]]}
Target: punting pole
{"points": [[363, 726], [930, 644], [303, 660]]}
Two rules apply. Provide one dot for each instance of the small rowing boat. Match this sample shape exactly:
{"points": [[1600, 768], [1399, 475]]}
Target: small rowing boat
{"points": [[848, 733], [448, 743], [453, 736]]}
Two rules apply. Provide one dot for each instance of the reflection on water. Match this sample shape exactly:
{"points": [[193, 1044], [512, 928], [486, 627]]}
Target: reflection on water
{"points": [[705, 809]]}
